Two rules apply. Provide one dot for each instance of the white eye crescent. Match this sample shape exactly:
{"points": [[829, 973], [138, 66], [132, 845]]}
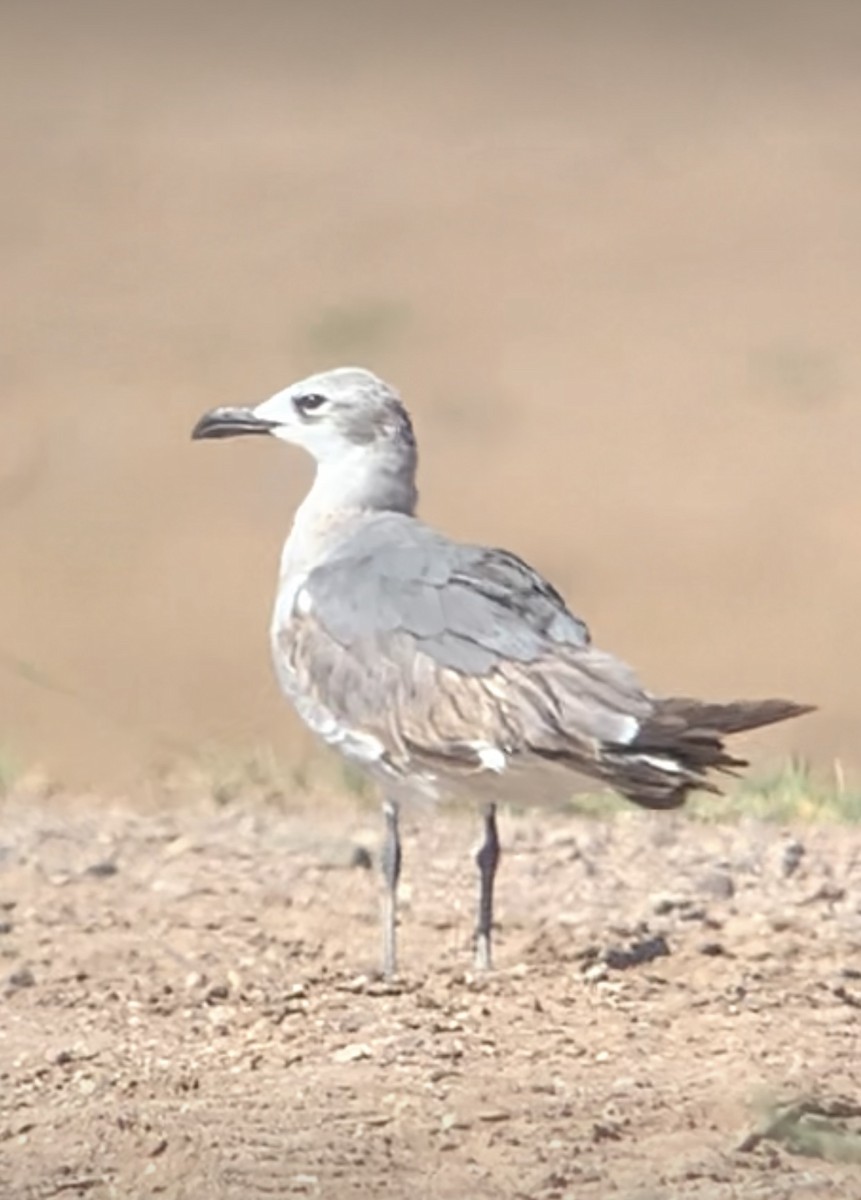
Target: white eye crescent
{"points": [[309, 404]]}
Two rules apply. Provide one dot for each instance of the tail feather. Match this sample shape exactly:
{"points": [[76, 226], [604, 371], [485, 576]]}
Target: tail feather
{"points": [[683, 740], [733, 717]]}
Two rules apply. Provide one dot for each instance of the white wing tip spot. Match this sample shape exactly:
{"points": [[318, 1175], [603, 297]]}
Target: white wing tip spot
{"points": [[491, 757], [631, 729], [661, 761], [363, 747]]}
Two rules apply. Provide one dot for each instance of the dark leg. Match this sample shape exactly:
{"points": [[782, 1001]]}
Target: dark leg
{"points": [[391, 865], [487, 859]]}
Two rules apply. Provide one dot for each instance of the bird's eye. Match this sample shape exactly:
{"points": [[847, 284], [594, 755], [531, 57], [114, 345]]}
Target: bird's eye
{"points": [[309, 404]]}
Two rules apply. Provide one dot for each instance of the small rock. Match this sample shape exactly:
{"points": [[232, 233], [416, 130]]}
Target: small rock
{"points": [[781, 922], [694, 912], [716, 883], [639, 952], [304, 1181], [790, 860], [179, 846], [361, 858], [712, 949], [827, 892], [352, 1053], [220, 1016], [356, 985], [22, 978], [850, 998], [596, 972], [664, 903], [102, 870], [342, 854], [606, 1131]]}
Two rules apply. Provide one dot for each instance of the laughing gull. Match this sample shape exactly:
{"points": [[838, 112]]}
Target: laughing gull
{"points": [[450, 669]]}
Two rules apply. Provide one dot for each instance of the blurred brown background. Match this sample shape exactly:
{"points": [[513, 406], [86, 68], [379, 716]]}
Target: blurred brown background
{"points": [[609, 252]]}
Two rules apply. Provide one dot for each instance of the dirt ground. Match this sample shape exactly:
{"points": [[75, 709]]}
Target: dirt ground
{"points": [[190, 1008], [611, 255]]}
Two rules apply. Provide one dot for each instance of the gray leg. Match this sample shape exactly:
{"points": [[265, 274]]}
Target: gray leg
{"points": [[487, 859], [391, 865]]}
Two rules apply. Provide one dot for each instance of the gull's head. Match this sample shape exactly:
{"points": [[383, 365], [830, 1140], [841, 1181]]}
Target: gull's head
{"points": [[333, 415]]}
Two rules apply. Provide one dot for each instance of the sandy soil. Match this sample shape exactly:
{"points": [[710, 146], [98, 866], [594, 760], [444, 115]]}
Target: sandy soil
{"points": [[611, 254], [190, 1009]]}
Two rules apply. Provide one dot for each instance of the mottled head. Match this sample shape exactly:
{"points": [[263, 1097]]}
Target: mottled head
{"points": [[349, 420]]}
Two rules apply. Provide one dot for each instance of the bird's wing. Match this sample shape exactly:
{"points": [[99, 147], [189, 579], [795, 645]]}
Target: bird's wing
{"points": [[468, 605], [426, 644]]}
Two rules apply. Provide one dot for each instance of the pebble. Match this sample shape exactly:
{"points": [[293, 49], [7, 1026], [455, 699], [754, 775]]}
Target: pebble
{"points": [[596, 972], [352, 1053], [712, 949], [102, 870], [342, 854], [639, 952], [23, 977], [665, 902], [716, 883], [790, 860], [304, 1181]]}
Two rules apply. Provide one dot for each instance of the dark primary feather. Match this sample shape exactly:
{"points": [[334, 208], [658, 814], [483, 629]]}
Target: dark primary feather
{"points": [[689, 733]]}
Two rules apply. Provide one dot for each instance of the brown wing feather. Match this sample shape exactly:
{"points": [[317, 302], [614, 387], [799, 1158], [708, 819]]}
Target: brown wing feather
{"points": [[387, 688], [576, 706]]}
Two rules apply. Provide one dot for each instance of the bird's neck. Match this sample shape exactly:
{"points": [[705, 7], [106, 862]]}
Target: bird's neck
{"points": [[365, 482]]}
